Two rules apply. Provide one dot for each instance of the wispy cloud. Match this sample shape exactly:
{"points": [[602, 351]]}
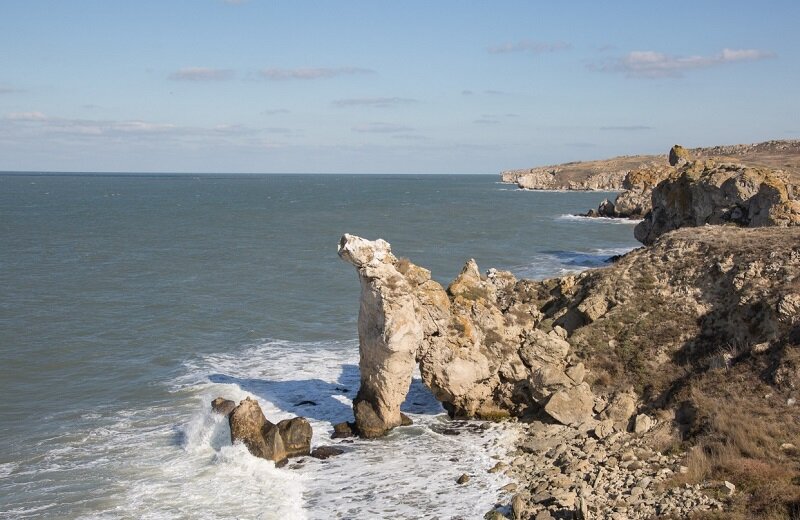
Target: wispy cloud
{"points": [[312, 73], [38, 125], [201, 74], [491, 92], [235, 2], [529, 47], [378, 102], [466, 92], [651, 64], [275, 111], [26, 116], [8, 90], [626, 128], [382, 128]]}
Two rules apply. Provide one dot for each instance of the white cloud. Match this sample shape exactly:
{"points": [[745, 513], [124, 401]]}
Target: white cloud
{"points": [[26, 116], [530, 47], [380, 102], [382, 128], [312, 73], [651, 64], [201, 74]]}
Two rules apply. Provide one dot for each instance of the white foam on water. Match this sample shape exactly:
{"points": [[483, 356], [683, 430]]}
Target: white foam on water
{"points": [[175, 459], [410, 473], [599, 220]]}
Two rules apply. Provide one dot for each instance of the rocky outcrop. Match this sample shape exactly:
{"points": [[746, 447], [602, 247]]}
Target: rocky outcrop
{"points": [[275, 442], [389, 333], [476, 343], [568, 348], [635, 201], [549, 178], [704, 192]]}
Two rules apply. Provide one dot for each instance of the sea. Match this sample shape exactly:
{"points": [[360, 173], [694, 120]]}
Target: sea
{"points": [[128, 302]]}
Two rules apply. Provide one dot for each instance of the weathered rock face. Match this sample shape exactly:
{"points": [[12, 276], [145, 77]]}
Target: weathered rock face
{"points": [[548, 179], [635, 201], [476, 343], [389, 334], [703, 192], [289, 438]]}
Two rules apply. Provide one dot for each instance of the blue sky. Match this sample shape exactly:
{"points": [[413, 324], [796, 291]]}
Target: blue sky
{"points": [[386, 87]]}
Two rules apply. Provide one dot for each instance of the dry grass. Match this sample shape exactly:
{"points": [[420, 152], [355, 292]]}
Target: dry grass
{"points": [[738, 434]]}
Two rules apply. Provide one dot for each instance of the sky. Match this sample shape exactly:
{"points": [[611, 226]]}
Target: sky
{"points": [[258, 86]]}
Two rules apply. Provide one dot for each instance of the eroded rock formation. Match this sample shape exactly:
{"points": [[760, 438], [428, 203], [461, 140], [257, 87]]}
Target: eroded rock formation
{"points": [[704, 192], [476, 343], [570, 348]]}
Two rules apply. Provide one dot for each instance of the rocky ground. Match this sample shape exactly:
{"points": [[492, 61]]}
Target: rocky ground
{"points": [[566, 472]]}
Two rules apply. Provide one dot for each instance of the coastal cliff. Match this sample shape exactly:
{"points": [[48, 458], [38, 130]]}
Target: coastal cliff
{"points": [[645, 346], [664, 383], [610, 174]]}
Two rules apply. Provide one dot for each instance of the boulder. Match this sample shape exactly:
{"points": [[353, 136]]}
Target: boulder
{"points": [[325, 452], [249, 426], [571, 406], [620, 410], [343, 430], [296, 434], [222, 406], [678, 155], [275, 442], [604, 428], [642, 424]]}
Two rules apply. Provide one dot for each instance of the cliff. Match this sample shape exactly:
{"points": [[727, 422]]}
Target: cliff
{"points": [[609, 174], [680, 343]]}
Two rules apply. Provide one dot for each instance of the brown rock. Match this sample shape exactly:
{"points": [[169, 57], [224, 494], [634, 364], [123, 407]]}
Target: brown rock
{"points": [[247, 424], [678, 156], [296, 434], [463, 479], [222, 406], [571, 406], [325, 452], [343, 430]]}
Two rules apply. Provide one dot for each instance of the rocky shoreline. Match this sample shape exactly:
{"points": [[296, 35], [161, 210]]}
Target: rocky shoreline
{"points": [[611, 372], [662, 385]]}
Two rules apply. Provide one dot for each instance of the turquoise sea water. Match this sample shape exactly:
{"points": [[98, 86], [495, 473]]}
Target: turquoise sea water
{"points": [[128, 302]]}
